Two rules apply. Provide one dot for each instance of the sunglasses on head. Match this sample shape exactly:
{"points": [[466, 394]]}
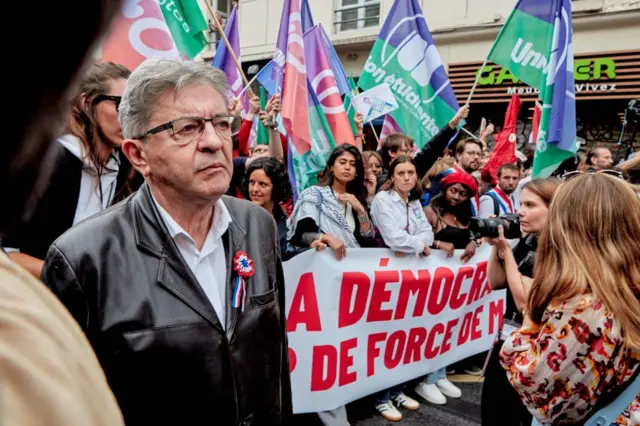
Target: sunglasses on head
{"points": [[570, 175], [115, 99]]}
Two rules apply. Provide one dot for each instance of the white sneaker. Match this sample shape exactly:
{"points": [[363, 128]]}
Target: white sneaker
{"points": [[403, 400], [389, 411], [431, 393], [448, 388]]}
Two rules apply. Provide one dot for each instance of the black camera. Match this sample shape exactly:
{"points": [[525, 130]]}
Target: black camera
{"points": [[481, 228]]}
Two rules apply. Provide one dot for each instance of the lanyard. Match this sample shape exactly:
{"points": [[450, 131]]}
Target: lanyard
{"points": [[407, 228], [504, 197]]}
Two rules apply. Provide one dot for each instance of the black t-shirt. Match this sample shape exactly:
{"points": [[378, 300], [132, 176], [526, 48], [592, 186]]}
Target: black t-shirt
{"points": [[525, 255], [239, 167]]}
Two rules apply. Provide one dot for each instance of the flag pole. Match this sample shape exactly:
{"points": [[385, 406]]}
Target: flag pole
{"points": [[475, 83], [248, 85], [229, 48], [471, 134]]}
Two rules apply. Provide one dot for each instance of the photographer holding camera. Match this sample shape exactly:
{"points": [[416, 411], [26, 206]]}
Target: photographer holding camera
{"points": [[513, 269]]}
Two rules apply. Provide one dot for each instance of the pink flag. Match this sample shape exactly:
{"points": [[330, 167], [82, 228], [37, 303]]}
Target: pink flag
{"points": [[137, 33], [389, 126], [324, 83], [295, 114]]}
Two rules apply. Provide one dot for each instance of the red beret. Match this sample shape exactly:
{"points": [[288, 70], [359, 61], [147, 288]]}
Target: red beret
{"points": [[462, 178]]}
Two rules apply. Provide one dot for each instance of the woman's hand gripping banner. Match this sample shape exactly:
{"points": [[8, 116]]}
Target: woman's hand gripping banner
{"points": [[374, 320]]}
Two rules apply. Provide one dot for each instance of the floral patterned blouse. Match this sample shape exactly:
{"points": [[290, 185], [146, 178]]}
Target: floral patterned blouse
{"points": [[562, 369]]}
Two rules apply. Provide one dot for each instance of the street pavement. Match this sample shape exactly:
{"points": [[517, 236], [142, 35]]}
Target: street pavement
{"points": [[456, 412]]}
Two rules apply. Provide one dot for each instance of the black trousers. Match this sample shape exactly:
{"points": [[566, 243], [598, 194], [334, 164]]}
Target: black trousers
{"points": [[501, 404]]}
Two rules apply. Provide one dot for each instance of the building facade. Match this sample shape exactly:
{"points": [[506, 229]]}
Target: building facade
{"points": [[606, 47]]}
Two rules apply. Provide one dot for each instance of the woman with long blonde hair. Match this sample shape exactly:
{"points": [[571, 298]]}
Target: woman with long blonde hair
{"points": [[579, 344]]}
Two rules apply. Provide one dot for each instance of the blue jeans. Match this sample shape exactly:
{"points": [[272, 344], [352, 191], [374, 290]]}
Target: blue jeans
{"points": [[431, 378], [385, 396]]}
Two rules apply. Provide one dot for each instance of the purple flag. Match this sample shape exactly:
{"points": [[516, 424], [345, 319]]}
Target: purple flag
{"points": [[223, 59], [307, 19], [338, 71], [280, 54]]}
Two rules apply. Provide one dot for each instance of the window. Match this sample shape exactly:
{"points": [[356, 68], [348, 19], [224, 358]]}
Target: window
{"points": [[223, 8], [357, 14]]}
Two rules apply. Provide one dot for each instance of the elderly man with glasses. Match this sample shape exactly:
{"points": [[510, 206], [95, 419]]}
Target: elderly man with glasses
{"points": [[179, 288]]}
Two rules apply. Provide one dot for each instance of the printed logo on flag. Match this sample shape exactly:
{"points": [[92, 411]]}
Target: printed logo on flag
{"points": [[138, 32], [406, 59]]}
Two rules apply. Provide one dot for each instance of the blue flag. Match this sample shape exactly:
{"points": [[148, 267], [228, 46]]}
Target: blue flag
{"points": [[557, 133]]}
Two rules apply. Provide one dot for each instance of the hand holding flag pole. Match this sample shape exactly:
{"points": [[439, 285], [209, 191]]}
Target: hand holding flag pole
{"points": [[230, 49], [354, 92]]}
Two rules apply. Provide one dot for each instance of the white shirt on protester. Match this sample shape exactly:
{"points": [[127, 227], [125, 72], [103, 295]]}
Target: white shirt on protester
{"points": [[403, 226], [487, 206], [208, 265], [92, 198], [518, 191]]}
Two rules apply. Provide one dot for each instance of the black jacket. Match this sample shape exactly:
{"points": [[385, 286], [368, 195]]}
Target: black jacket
{"points": [[164, 352], [56, 203]]}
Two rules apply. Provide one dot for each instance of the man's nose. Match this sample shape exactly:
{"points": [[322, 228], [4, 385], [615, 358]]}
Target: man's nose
{"points": [[210, 139]]}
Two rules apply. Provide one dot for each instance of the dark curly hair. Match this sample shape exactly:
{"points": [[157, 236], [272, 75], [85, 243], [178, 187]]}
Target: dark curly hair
{"points": [[356, 186], [274, 169]]}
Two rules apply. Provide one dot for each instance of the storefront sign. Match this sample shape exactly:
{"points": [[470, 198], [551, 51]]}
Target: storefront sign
{"points": [[583, 70], [602, 75]]}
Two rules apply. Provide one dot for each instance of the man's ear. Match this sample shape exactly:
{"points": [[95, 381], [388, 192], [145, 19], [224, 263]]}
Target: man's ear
{"points": [[135, 152]]}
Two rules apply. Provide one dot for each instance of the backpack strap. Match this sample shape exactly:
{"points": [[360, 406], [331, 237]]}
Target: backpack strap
{"points": [[496, 205], [609, 413]]}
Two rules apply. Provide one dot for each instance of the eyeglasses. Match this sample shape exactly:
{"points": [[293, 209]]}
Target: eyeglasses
{"points": [[186, 130], [116, 99], [570, 175]]}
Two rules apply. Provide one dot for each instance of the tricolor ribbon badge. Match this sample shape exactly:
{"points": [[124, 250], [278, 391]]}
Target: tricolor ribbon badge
{"points": [[244, 269]]}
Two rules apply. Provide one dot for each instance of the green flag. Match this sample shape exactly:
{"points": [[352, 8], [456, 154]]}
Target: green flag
{"points": [[186, 23], [536, 45], [348, 106], [263, 134], [306, 167], [405, 57]]}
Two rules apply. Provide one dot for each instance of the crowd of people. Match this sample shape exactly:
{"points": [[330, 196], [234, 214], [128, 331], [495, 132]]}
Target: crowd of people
{"points": [[170, 289]]}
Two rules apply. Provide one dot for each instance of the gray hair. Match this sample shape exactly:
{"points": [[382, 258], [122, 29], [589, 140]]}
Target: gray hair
{"points": [[152, 79]]}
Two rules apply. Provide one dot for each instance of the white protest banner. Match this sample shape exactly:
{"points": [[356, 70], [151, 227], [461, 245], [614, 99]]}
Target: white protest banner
{"points": [[374, 320], [375, 102]]}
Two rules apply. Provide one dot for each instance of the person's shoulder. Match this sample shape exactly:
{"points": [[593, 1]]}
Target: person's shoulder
{"points": [[240, 161], [382, 196], [96, 229], [486, 196], [243, 210]]}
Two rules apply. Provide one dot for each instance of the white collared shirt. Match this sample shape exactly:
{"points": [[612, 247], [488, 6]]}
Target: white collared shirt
{"points": [[208, 265], [93, 196], [403, 226], [487, 206]]}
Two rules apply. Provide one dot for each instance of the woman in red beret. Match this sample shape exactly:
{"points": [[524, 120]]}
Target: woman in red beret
{"points": [[449, 214]]}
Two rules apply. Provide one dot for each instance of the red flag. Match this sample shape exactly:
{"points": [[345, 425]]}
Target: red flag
{"points": [[138, 32], [535, 126], [295, 95], [505, 150]]}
